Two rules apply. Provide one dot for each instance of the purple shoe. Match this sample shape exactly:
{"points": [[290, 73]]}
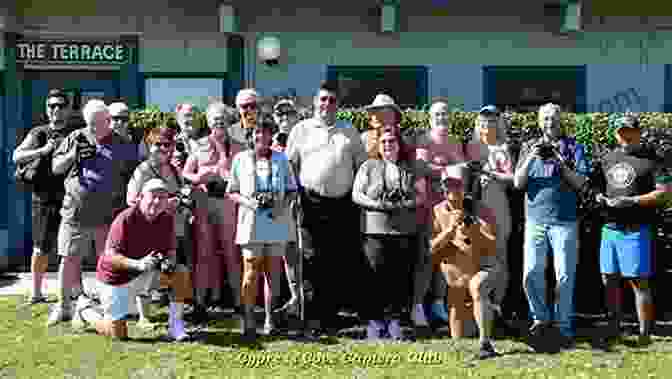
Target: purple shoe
{"points": [[176, 329]]}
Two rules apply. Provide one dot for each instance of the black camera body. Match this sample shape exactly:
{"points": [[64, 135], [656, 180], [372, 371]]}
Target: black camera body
{"points": [[546, 151], [265, 200], [396, 195], [472, 191], [166, 265], [185, 200]]}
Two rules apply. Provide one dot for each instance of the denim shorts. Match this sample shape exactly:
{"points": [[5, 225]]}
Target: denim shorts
{"points": [[626, 252]]}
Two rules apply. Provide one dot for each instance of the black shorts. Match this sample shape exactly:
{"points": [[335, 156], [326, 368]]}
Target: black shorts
{"points": [[45, 219]]}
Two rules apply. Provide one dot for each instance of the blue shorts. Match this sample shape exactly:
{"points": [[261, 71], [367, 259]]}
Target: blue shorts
{"points": [[627, 253]]}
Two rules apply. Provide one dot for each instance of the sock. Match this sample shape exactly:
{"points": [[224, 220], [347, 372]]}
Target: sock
{"points": [[37, 284], [645, 307], [64, 282], [614, 295]]}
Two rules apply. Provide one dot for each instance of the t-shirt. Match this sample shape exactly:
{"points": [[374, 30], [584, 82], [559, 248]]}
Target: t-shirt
{"points": [[133, 236], [96, 187], [549, 198], [631, 172]]}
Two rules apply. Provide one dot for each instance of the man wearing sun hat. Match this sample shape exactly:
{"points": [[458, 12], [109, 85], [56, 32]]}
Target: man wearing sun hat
{"points": [[633, 188], [130, 266]]}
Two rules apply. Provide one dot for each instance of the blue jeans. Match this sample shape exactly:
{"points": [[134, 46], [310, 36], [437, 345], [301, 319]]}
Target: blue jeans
{"points": [[560, 240]]}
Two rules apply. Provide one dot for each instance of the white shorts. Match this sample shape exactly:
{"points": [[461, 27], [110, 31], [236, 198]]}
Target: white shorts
{"points": [[115, 300]]}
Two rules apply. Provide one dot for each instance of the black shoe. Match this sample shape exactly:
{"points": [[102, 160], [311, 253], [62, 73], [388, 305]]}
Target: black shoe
{"points": [[644, 340], [249, 336], [487, 351], [566, 343]]}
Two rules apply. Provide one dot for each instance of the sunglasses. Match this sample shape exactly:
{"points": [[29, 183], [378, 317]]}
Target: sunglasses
{"points": [[285, 113], [120, 118], [328, 99], [163, 144], [57, 105], [248, 106]]}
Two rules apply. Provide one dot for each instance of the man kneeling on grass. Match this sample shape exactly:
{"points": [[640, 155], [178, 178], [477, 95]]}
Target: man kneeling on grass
{"points": [[465, 250], [132, 265]]}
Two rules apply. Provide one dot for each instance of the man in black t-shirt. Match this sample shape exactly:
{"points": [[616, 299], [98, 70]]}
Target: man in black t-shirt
{"points": [[48, 189], [629, 177]]}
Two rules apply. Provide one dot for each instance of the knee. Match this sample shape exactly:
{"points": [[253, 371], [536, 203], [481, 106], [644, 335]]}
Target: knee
{"points": [[253, 265], [477, 288]]}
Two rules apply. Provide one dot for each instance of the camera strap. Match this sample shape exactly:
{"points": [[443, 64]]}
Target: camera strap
{"points": [[269, 174], [399, 177]]}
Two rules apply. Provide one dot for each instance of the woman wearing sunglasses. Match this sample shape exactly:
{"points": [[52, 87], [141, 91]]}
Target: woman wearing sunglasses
{"points": [[388, 187], [209, 168], [161, 143]]}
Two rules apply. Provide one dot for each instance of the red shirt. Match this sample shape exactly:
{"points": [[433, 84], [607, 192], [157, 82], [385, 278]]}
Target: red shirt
{"points": [[133, 236]]}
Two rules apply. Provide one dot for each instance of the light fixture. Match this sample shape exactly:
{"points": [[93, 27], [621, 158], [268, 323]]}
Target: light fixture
{"points": [[571, 16], [268, 50], [228, 21], [389, 16]]}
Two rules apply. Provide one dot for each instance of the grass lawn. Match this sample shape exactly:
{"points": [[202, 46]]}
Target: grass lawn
{"points": [[30, 350]]}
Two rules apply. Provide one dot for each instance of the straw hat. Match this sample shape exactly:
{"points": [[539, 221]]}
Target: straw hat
{"points": [[383, 101]]}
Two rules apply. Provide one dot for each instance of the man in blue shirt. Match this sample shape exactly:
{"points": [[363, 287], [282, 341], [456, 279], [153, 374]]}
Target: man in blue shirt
{"points": [[546, 172]]}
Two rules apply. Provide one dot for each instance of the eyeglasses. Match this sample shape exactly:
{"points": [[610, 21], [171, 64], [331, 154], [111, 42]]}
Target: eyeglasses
{"points": [[388, 141], [120, 118], [163, 144], [248, 106], [57, 105], [329, 99]]}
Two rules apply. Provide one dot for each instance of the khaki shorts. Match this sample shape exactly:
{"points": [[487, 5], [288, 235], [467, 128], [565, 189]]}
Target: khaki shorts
{"points": [[75, 240], [260, 249]]}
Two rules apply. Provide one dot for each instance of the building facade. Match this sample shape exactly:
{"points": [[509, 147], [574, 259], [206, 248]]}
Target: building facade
{"points": [[466, 52]]}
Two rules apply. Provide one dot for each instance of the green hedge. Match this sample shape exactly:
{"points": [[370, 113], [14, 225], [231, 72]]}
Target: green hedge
{"points": [[589, 128]]}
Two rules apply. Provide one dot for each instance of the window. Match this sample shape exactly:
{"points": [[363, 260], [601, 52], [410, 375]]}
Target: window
{"points": [[524, 89], [166, 93], [359, 85]]}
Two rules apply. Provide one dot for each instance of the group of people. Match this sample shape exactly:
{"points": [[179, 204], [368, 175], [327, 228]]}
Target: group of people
{"points": [[376, 218]]}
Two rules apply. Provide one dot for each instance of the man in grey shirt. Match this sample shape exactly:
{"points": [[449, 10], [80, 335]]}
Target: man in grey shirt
{"points": [[326, 155]]}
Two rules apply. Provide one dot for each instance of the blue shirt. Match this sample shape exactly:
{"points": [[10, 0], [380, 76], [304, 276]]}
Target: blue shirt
{"points": [[549, 198]]}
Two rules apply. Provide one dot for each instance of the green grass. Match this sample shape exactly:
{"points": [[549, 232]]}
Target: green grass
{"points": [[30, 350]]}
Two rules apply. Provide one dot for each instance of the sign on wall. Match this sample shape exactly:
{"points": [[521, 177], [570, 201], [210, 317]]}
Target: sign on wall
{"points": [[71, 52]]}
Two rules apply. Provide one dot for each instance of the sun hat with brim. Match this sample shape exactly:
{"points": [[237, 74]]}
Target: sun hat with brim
{"points": [[285, 104], [154, 185], [383, 101]]}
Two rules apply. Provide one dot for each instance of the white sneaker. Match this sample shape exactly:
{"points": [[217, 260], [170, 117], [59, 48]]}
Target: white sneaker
{"points": [[83, 302], [59, 314], [418, 316]]}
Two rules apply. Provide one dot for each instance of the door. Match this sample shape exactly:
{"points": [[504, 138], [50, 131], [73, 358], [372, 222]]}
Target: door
{"points": [[33, 111]]}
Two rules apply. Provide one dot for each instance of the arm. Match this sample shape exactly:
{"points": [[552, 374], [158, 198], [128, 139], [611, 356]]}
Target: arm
{"points": [[359, 154], [292, 149], [191, 169], [520, 175], [360, 185], [133, 188], [441, 238], [65, 155], [28, 150]]}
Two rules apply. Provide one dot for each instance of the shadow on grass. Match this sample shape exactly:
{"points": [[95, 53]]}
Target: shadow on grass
{"points": [[7, 280]]}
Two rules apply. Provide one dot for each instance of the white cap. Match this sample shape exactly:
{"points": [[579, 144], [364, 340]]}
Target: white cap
{"points": [[153, 185], [117, 108]]}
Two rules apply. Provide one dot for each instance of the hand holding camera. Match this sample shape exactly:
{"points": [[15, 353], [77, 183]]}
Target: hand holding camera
{"points": [[545, 151], [85, 149], [164, 262]]}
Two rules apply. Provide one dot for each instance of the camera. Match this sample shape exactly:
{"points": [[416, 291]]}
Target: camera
{"points": [[185, 201], [395, 196], [265, 200], [472, 191], [166, 265], [546, 151]]}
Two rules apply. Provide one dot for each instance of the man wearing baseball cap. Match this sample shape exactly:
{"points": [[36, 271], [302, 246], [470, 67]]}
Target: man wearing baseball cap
{"points": [[631, 195], [131, 266]]}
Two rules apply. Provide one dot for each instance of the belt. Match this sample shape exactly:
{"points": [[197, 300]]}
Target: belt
{"points": [[319, 196], [624, 227]]}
